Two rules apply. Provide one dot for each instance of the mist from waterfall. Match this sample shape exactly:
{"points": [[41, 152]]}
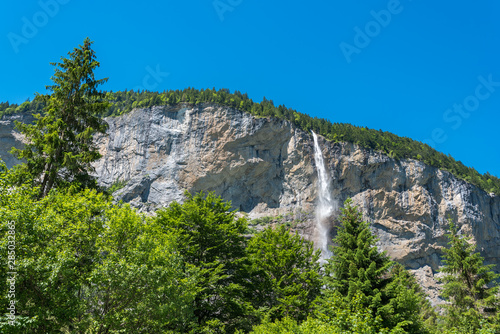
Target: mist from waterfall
{"points": [[326, 205]]}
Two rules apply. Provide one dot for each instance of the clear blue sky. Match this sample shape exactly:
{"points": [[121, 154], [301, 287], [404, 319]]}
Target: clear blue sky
{"points": [[425, 70]]}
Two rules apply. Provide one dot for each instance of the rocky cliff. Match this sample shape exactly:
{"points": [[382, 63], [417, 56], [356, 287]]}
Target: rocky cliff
{"points": [[10, 138], [266, 168]]}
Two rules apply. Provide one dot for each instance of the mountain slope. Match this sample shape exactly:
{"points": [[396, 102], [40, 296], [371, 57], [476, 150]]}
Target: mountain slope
{"points": [[394, 146]]}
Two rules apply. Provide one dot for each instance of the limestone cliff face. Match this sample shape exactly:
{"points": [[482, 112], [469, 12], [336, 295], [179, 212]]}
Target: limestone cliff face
{"points": [[266, 168], [162, 151], [10, 138]]}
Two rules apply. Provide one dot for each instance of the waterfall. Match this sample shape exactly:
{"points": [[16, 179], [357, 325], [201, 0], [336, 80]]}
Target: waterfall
{"points": [[326, 205]]}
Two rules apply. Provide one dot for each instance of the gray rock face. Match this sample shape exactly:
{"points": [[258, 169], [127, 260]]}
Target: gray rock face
{"points": [[266, 168], [163, 151], [10, 138]]}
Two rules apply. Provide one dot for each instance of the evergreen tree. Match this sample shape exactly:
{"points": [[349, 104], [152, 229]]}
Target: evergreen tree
{"points": [[60, 145], [407, 305], [359, 272], [469, 285], [357, 267]]}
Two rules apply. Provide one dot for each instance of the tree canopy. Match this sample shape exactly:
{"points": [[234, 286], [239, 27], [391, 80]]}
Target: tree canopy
{"points": [[284, 274], [211, 239], [85, 265]]}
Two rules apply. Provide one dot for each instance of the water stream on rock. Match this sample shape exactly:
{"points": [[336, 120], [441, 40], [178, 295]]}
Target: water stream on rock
{"points": [[326, 205]]}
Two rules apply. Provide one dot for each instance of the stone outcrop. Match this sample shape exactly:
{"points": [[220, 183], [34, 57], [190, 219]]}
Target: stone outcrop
{"points": [[266, 168], [10, 138]]}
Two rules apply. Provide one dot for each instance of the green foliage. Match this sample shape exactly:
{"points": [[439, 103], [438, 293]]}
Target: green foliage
{"points": [[86, 265], [285, 273], [335, 316], [210, 237], [386, 142], [262, 220], [27, 107], [469, 285], [350, 315], [60, 146], [359, 272], [117, 185], [407, 305], [357, 267], [143, 281]]}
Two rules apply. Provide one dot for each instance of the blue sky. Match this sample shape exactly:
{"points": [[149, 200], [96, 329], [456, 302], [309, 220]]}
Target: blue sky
{"points": [[425, 70]]}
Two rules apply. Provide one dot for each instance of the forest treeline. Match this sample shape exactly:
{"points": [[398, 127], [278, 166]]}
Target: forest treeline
{"points": [[72, 261], [386, 142]]}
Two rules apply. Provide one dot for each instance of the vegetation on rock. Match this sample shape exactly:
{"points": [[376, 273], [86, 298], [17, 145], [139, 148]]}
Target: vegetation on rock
{"points": [[394, 146]]}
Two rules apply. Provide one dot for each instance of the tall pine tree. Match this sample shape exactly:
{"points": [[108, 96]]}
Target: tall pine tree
{"points": [[357, 266], [469, 286], [360, 273], [60, 146]]}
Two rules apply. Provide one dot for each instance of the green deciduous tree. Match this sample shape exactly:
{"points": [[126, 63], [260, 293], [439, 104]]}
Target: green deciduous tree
{"points": [[469, 285], [141, 284], [85, 265], [60, 146], [285, 273], [210, 237], [336, 315]]}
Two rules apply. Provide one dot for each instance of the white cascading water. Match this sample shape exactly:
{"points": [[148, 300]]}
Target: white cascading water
{"points": [[326, 205]]}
